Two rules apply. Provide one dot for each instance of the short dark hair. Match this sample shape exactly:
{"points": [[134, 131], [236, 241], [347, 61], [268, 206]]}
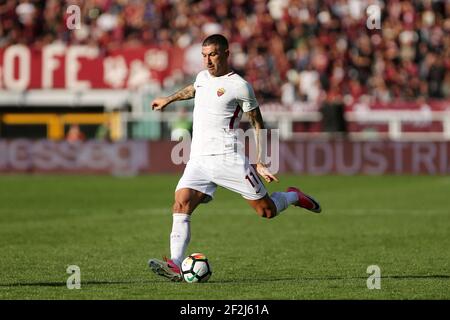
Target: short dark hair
{"points": [[218, 39]]}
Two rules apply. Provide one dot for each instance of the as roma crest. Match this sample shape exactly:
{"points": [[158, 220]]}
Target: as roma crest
{"points": [[220, 91]]}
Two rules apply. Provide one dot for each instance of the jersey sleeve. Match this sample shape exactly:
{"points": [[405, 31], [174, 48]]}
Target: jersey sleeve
{"points": [[197, 78], [246, 97]]}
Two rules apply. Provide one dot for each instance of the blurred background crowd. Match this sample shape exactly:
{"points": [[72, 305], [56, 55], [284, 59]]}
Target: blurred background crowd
{"points": [[290, 50]]}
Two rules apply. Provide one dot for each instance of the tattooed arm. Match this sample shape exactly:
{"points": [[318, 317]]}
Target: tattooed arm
{"points": [[183, 94], [257, 123]]}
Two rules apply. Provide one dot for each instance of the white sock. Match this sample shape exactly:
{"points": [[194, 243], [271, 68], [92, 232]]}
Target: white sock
{"points": [[282, 200], [180, 237]]}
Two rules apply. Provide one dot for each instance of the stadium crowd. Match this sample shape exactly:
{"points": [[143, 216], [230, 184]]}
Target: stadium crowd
{"points": [[287, 49]]}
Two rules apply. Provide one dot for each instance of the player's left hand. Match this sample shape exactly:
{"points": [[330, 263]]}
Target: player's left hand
{"points": [[264, 172]]}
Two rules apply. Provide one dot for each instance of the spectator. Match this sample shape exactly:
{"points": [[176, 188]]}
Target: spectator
{"points": [[333, 119], [103, 132], [75, 134], [181, 126], [324, 41]]}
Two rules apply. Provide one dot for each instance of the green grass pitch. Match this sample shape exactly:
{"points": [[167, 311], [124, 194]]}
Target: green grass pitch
{"points": [[110, 227]]}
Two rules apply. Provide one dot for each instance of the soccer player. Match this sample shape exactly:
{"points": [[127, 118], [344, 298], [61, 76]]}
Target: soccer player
{"points": [[221, 97]]}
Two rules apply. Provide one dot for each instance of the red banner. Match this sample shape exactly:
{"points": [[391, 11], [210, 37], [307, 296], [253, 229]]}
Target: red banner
{"points": [[370, 158], [57, 66], [45, 156]]}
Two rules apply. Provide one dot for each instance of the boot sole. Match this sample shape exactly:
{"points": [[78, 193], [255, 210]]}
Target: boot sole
{"points": [[159, 270]]}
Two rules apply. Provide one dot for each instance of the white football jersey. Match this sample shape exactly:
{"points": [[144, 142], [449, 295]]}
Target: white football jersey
{"points": [[218, 108]]}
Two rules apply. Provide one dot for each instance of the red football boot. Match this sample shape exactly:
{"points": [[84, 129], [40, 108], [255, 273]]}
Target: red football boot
{"points": [[166, 268], [305, 201]]}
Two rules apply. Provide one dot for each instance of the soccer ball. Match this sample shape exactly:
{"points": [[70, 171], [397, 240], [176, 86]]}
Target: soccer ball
{"points": [[196, 268]]}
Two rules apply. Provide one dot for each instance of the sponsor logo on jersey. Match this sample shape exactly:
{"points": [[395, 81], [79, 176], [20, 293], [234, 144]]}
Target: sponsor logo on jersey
{"points": [[220, 91]]}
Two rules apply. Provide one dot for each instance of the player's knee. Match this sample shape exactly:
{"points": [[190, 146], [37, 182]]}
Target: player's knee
{"points": [[182, 206]]}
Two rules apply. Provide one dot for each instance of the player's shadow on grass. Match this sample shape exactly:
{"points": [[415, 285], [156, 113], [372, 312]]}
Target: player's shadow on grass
{"points": [[64, 284], [398, 277], [250, 280]]}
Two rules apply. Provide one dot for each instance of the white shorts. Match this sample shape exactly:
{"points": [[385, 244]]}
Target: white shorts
{"points": [[231, 171]]}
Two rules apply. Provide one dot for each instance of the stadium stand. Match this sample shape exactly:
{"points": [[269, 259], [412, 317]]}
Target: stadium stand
{"points": [[294, 52], [282, 42]]}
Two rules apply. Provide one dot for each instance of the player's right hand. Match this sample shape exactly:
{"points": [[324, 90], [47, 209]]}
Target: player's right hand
{"points": [[264, 172], [159, 103]]}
